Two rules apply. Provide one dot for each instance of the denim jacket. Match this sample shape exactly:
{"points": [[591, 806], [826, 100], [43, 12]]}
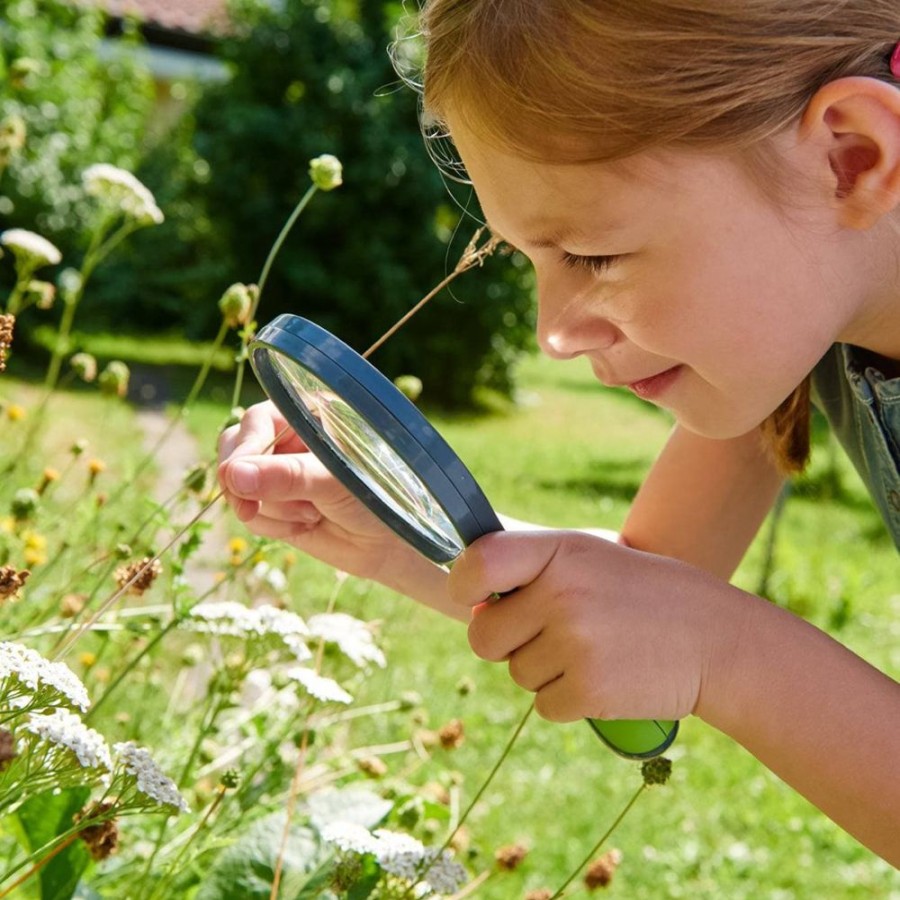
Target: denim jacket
{"points": [[863, 409]]}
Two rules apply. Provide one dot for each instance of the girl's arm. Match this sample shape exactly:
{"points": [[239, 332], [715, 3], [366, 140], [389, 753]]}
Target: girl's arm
{"points": [[704, 500]]}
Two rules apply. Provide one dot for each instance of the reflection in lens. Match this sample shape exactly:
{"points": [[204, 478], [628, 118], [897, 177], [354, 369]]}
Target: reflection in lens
{"points": [[367, 454]]}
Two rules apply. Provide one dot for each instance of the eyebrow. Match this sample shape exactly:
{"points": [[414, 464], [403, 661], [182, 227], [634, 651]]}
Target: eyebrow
{"points": [[563, 235]]}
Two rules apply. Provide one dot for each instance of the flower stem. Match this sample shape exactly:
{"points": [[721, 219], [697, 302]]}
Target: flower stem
{"points": [[600, 843], [40, 864]]}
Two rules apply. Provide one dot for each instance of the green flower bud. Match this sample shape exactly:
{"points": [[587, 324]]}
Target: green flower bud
{"points": [[78, 447], [410, 700], [231, 778], [24, 503], [236, 304], [195, 479], [122, 551], [409, 386], [113, 380], [84, 366], [656, 771], [326, 172]]}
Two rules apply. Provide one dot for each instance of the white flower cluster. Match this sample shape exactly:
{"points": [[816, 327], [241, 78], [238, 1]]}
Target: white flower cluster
{"points": [[265, 576], [30, 247], [229, 618], [352, 637], [318, 686], [151, 780], [400, 854], [27, 667], [121, 189], [65, 729]]}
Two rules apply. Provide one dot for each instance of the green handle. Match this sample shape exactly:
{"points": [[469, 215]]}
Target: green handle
{"points": [[635, 738]]}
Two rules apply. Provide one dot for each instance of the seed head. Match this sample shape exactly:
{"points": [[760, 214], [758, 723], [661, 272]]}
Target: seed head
{"points": [[656, 770], [84, 366], [236, 304], [7, 327], [373, 766], [144, 574], [452, 734], [101, 839], [113, 380], [11, 580], [539, 894], [510, 857], [600, 872]]}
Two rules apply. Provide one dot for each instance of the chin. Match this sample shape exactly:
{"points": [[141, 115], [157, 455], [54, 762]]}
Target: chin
{"points": [[725, 427]]}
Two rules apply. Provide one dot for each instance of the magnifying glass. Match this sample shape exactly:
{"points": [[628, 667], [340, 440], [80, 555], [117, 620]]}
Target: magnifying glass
{"points": [[385, 452]]}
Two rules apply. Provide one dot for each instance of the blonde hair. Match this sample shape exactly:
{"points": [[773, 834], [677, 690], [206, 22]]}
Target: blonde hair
{"points": [[602, 80]]}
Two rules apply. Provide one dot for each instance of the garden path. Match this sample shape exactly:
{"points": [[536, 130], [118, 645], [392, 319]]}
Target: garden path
{"points": [[175, 457]]}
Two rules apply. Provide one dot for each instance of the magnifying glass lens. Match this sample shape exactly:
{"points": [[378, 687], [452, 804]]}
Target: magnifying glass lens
{"points": [[367, 454]]}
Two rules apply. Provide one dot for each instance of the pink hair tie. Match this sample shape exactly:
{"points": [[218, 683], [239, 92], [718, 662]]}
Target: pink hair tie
{"points": [[894, 62]]}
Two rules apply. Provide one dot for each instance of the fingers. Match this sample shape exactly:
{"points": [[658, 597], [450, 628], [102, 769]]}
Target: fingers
{"points": [[262, 429]]}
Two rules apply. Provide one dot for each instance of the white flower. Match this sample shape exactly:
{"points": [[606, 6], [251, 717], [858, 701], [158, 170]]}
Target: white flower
{"points": [[30, 248], [350, 837], [269, 576], [235, 620], [325, 689], [121, 189], [351, 635], [65, 729], [151, 780], [27, 667]]}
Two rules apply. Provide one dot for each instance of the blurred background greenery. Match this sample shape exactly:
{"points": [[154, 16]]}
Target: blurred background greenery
{"points": [[226, 157]]}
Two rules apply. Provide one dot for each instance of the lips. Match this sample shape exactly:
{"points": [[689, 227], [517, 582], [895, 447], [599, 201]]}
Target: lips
{"points": [[656, 385]]}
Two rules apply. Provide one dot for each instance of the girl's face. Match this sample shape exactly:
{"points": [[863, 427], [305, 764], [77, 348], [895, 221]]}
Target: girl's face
{"points": [[677, 278]]}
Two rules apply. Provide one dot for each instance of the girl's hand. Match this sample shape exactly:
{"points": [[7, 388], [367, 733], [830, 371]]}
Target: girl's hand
{"points": [[284, 492], [595, 629]]}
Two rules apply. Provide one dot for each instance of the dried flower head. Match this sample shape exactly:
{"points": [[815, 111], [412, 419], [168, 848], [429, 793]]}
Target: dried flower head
{"points": [[656, 770], [71, 605], [510, 857], [30, 250], [600, 872], [326, 172], [25, 671], [7, 749], [452, 734], [67, 731], [150, 779], [120, 190], [539, 894], [11, 580], [7, 329], [101, 838], [372, 766], [139, 576]]}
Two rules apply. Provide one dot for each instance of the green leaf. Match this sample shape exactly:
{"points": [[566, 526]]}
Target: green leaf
{"points": [[246, 870], [44, 817]]}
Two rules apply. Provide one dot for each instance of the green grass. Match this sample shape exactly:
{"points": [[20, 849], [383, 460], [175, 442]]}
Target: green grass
{"points": [[572, 455]]}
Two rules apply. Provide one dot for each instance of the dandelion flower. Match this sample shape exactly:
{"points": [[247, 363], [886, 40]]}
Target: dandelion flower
{"points": [[65, 729], [31, 250], [352, 637], [23, 667], [150, 779], [15, 412], [325, 689], [120, 189]]}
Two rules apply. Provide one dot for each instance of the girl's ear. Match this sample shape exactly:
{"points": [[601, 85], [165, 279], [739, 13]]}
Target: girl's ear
{"points": [[857, 121]]}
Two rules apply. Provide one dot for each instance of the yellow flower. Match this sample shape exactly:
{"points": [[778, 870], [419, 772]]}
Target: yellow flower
{"points": [[7, 524], [34, 557], [87, 659], [15, 413], [96, 466], [237, 545], [35, 553]]}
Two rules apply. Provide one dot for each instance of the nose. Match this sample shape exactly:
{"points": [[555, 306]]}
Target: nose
{"points": [[567, 326]]}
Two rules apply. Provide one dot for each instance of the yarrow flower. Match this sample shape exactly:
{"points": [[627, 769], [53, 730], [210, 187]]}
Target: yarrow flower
{"points": [[65, 729], [150, 779], [24, 671], [121, 189], [31, 250], [400, 855], [352, 637], [325, 689], [232, 619]]}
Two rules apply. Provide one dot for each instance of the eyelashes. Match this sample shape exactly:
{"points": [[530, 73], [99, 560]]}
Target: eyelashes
{"points": [[596, 265]]}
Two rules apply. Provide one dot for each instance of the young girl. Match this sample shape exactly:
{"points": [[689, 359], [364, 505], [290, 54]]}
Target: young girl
{"points": [[709, 191]]}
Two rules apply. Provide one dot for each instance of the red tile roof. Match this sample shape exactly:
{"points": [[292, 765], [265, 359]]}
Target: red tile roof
{"points": [[191, 16]]}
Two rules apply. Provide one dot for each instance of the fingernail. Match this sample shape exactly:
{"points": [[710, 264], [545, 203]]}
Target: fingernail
{"points": [[244, 477]]}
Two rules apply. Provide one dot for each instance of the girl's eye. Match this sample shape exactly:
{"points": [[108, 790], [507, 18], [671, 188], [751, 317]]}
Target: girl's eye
{"points": [[596, 265]]}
